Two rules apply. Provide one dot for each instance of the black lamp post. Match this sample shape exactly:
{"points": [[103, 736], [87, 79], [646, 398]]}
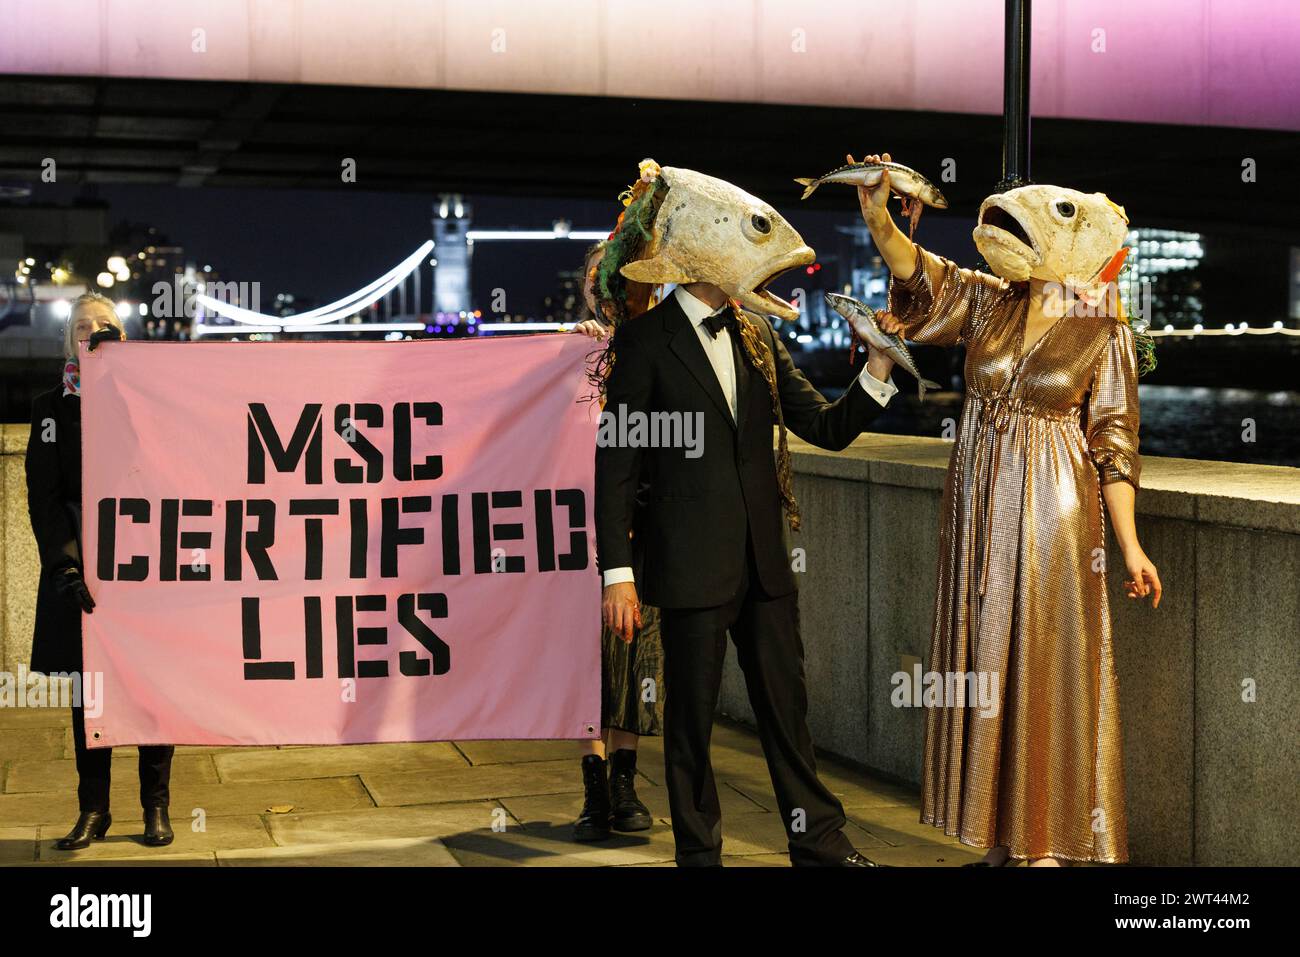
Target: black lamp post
{"points": [[1015, 96]]}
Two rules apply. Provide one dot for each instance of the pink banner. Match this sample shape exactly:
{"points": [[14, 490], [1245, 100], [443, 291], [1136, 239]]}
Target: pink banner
{"points": [[324, 542]]}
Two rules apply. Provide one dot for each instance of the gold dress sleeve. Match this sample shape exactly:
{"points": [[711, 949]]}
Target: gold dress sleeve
{"points": [[942, 304], [1112, 417]]}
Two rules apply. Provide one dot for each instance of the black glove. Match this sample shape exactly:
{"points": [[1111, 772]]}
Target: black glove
{"points": [[69, 584], [104, 335]]}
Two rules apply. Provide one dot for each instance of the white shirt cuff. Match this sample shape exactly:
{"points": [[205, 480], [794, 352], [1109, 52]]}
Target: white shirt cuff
{"points": [[882, 392], [613, 576]]}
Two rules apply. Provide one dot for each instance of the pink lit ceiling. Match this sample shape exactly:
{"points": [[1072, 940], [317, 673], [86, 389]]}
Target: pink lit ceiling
{"points": [[1208, 62]]}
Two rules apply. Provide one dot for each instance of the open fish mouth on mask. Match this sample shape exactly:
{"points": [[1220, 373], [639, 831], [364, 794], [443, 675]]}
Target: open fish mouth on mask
{"points": [[709, 230], [753, 292], [999, 229]]}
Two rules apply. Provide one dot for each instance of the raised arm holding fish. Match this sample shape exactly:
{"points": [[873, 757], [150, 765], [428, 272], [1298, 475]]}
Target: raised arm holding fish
{"points": [[896, 249], [1048, 431]]}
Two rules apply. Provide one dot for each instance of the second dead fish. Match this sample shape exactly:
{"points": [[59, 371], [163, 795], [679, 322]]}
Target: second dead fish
{"points": [[862, 319]]}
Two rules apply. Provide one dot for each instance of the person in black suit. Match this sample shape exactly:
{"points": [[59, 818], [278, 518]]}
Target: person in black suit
{"points": [[716, 556], [53, 466]]}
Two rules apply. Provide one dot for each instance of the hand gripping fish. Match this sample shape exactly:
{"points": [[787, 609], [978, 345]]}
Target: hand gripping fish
{"points": [[862, 320], [905, 182]]}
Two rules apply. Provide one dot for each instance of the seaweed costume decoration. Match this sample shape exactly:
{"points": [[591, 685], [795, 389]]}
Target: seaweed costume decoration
{"points": [[681, 226], [617, 299], [1066, 237]]}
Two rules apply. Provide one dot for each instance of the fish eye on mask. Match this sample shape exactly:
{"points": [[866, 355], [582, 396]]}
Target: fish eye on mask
{"points": [[1065, 208], [758, 228]]}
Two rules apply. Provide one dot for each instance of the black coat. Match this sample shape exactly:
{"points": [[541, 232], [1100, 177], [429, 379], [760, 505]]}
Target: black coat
{"points": [[53, 494], [693, 531]]}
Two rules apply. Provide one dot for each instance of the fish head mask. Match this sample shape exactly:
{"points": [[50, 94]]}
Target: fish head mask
{"points": [[709, 230], [1054, 234]]}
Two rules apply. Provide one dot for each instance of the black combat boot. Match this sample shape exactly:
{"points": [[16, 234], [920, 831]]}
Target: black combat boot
{"points": [[593, 823], [627, 813]]}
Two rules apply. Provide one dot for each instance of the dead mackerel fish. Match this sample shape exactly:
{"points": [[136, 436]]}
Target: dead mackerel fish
{"points": [[862, 320], [913, 188]]}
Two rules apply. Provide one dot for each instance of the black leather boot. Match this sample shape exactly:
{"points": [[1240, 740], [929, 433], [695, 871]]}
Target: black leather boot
{"points": [[157, 827], [627, 813], [593, 823], [90, 826]]}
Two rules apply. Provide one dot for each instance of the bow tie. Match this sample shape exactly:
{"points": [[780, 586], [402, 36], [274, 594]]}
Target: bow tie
{"points": [[724, 318]]}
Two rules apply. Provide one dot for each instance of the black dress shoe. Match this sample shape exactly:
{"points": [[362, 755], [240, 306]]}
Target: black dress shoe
{"points": [[626, 811], [157, 827], [90, 826], [859, 860], [593, 821]]}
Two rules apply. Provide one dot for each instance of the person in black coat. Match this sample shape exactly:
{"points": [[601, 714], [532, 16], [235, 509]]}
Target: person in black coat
{"points": [[53, 466], [716, 554], [631, 671]]}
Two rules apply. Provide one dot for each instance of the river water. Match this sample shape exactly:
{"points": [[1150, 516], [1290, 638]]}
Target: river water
{"points": [[1192, 422]]}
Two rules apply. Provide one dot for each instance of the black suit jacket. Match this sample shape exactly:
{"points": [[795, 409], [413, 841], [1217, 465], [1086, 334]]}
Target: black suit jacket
{"points": [[53, 467], [699, 510]]}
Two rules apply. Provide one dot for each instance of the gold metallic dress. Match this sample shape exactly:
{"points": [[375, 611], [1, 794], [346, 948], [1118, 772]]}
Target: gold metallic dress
{"points": [[1022, 591]]}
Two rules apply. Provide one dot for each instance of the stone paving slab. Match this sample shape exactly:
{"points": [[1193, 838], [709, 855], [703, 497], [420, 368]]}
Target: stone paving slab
{"points": [[926, 854], [340, 760], [46, 807], [553, 846], [17, 845], [738, 762], [518, 752], [753, 834], [736, 860], [255, 797], [123, 840], [35, 717], [749, 834], [159, 858], [420, 804], [435, 820], [61, 774], [560, 808], [851, 794], [59, 808], [33, 743], [900, 826], [855, 789], [470, 784], [392, 852], [730, 800]]}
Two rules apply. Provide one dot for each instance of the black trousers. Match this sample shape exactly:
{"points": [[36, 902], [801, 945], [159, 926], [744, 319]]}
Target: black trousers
{"points": [[770, 652], [94, 771]]}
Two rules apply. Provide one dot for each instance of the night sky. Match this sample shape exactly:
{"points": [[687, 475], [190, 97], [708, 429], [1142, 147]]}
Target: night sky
{"points": [[320, 245], [324, 244]]}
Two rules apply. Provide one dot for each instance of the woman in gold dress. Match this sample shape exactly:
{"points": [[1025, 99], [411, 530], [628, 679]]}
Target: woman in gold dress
{"points": [[1049, 430]]}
